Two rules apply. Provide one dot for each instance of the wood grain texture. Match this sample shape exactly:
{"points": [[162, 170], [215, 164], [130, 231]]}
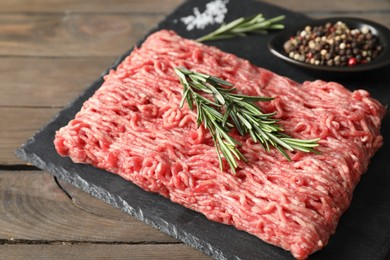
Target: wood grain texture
{"points": [[308, 6], [166, 6], [82, 35], [33, 207], [47, 82], [99, 251], [89, 6], [50, 51], [18, 124], [72, 35], [377, 11]]}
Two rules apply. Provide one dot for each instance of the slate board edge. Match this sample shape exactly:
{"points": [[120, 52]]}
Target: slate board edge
{"points": [[116, 201], [121, 204]]}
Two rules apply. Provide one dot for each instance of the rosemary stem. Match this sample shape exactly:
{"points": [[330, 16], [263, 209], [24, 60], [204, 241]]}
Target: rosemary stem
{"points": [[242, 26], [229, 110]]}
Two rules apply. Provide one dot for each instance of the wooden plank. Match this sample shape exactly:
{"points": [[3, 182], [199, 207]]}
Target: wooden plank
{"points": [[30, 81], [33, 207], [18, 124], [88, 203], [72, 35], [88, 6], [333, 5], [377, 11], [155, 6], [99, 251], [80, 35]]}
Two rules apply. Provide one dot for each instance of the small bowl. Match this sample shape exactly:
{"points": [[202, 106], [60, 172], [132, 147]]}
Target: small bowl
{"points": [[383, 59]]}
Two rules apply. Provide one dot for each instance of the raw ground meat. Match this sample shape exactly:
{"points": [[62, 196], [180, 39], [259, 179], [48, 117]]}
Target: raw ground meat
{"points": [[133, 126]]}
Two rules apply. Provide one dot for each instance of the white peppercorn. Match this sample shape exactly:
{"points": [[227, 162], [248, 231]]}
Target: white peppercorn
{"points": [[334, 45]]}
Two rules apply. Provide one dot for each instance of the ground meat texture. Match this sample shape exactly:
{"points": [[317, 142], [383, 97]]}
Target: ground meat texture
{"points": [[133, 126]]}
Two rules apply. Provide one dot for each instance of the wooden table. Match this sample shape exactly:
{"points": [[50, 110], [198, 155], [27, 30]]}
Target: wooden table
{"points": [[50, 51]]}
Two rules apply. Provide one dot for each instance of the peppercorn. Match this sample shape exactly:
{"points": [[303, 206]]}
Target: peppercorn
{"points": [[333, 44], [352, 61]]}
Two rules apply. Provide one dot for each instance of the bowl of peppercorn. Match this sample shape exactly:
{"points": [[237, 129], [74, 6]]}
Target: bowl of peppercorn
{"points": [[341, 44]]}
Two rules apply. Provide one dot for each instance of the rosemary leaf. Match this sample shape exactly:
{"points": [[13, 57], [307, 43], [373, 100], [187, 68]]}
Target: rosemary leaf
{"points": [[229, 110], [221, 82], [242, 26]]}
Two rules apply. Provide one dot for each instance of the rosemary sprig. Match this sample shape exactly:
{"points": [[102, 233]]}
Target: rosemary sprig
{"points": [[229, 110], [242, 26]]}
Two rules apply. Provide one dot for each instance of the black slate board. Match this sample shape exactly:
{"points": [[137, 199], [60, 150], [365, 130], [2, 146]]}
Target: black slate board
{"points": [[364, 230]]}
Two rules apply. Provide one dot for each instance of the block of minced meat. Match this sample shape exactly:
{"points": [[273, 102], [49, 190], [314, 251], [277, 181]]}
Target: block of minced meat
{"points": [[133, 126]]}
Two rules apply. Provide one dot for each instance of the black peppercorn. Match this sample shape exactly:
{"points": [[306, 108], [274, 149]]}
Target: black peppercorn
{"points": [[333, 45]]}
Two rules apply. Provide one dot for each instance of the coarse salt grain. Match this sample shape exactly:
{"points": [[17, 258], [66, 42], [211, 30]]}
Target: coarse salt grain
{"points": [[214, 14]]}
